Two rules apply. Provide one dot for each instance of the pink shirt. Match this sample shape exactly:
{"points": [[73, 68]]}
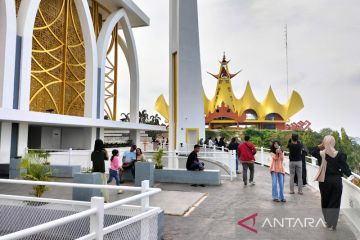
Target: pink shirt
{"points": [[114, 165], [277, 163]]}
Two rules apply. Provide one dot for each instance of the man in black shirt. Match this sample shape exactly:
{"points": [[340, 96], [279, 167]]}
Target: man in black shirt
{"points": [[193, 163], [295, 156]]}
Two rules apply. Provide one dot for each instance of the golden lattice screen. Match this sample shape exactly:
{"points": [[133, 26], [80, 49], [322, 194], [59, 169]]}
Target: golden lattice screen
{"points": [[58, 60]]}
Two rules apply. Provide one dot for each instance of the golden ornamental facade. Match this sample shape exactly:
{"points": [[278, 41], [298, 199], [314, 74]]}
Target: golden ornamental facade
{"points": [[58, 59]]}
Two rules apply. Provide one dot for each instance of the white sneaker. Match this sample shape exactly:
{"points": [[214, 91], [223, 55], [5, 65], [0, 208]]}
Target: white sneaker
{"points": [[252, 183], [120, 192]]}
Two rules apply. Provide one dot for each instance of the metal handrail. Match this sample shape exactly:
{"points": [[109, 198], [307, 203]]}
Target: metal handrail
{"points": [[96, 210]]}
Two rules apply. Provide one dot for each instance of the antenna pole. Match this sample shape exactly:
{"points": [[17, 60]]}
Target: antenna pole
{"points": [[287, 63]]}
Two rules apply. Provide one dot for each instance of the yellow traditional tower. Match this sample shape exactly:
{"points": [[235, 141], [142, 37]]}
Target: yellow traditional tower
{"points": [[225, 109]]}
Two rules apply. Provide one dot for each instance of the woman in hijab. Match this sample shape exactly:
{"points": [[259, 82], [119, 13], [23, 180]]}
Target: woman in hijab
{"points": [[332, 167]]}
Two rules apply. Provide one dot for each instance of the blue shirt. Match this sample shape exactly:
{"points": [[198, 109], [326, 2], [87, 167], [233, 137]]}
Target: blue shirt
{"points": [[129, 156]]}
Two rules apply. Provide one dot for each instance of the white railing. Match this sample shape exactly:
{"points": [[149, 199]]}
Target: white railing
{"points": [[95, 211], [350, 203]]}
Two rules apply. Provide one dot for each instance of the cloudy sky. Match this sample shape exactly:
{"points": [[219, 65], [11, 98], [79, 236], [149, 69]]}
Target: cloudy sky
{"points": [[324, 54]]}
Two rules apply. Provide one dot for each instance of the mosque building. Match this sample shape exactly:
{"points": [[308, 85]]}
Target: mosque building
{"points": [[226, 110]]}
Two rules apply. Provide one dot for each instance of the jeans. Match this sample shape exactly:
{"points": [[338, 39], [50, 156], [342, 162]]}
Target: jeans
{"points": [[277, 178], [197, 166], [296, 166], [245, 168], [237, 162], [113, 174]]}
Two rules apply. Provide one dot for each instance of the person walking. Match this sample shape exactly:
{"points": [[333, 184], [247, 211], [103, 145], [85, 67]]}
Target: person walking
{"points": [[247, 152], [332, 167], [277, 172], [114, 169], [295, 148], [98, 157], [233, 146]]}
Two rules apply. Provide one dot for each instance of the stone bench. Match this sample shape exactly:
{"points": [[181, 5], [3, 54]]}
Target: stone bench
{"points": [[208, 176], [64, 171]]}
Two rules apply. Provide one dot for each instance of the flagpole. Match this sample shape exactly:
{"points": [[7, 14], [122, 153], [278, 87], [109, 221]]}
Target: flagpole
{"points": [[287, 63]]}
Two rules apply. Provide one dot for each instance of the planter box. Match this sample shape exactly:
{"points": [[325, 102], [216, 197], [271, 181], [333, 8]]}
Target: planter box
{"points": [[14, 168], [64, 170], [85, 194], [208, 177], [144, 171]]}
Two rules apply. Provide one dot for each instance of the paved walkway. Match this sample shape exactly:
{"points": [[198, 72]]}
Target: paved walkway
{"points": [[217, 216]]}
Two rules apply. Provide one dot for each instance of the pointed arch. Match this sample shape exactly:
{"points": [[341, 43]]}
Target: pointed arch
{"points": [[129, 48]]}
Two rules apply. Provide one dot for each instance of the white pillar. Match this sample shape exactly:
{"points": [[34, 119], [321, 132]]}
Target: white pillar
{"points": [[97, 220], [5, 142], [89, 138], [135, 137], [91, 56], [133, 69], [186, 99], [145, 223], [7, 52], [25, 26], [22, 138], [102, 47]]}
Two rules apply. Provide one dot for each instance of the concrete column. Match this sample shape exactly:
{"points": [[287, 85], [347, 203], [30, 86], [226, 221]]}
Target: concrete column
{"points": [[5, 142], [135, 137], [90, 136], [186, 104], [22, 138]]}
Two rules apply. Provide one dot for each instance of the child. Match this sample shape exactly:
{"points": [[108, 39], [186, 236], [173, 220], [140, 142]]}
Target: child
{"points": [[114, 167], [277, 172]]}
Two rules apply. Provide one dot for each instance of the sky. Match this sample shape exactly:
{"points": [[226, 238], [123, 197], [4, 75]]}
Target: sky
{"points": [[323, 53]]}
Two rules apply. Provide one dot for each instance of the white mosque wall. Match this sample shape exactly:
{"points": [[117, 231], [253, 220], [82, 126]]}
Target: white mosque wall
{"points": [[16, 33]]}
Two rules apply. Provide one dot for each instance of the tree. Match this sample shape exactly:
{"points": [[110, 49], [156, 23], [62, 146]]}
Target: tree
{"points": [[346, 142]]}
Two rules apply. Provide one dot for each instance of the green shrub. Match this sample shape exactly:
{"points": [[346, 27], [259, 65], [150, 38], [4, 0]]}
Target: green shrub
{"points": [[158, 159], [37, 169]]}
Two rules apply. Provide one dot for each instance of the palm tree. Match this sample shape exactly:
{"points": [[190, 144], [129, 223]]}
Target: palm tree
{"points": [[155, 119], [143, 116], [126, 117]]}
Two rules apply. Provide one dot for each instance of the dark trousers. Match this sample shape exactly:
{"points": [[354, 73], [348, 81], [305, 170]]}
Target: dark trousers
{"points": [[247, 166], [113, 174], [128, 166], [331, 190], [304, 177], [197, 166]]}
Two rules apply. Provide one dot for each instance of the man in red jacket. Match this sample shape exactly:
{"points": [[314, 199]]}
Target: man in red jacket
{"points": [[247, 151]]}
